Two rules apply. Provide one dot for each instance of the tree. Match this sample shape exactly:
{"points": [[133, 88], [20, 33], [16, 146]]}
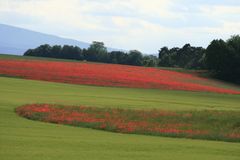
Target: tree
{"points": [[135, 58], [167, 58], [56, 51], [43, 50], [97, 52], [223, 58], [150, 61], [234, 45], [216, 56], [163, 51], [66, 52], [185, 57], [78, 53], [29, 52]]}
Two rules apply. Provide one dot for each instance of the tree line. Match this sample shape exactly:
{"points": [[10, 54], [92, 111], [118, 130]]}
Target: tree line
{"points": [[96, 52], [221, 58], [185, 57]]}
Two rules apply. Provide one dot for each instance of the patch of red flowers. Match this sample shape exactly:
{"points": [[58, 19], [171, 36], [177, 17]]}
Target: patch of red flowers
{"points": [[154, 122], [108, 75]]}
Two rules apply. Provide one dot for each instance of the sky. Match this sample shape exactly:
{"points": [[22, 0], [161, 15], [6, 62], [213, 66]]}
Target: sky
{"points": [[145, 25]]}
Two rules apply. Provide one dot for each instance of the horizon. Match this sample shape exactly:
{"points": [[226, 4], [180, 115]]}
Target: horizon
{"points": [[127, 25]]}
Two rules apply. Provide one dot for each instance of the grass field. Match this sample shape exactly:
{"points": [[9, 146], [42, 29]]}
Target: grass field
{"points": [[26, 139]]}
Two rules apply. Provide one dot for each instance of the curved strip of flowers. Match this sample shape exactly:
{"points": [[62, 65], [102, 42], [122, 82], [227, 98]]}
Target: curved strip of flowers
{"points": [[109, 75], [213, 125]]}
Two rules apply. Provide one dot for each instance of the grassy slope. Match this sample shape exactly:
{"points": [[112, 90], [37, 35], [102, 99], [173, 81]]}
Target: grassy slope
{"points": [[24, 139]]}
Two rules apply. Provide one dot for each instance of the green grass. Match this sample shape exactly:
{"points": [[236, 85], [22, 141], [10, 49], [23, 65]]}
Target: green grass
{"points": [[25, 139]]}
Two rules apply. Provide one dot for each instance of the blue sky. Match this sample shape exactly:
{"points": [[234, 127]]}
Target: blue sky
{"points": [[128, 24]]}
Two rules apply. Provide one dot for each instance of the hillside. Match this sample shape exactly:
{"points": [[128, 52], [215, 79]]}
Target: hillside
{"points": [[15, 40], [203, 111], [24, 139], [110, 75]]}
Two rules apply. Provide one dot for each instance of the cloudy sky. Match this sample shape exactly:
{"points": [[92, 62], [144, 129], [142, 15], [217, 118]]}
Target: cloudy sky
{"points": [[146, 25]]}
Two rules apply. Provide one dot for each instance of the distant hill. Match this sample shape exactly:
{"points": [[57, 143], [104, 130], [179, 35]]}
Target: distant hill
{"points": [[15, 40]]}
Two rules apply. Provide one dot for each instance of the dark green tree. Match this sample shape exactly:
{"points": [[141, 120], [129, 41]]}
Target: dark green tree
{"points": [[135, 58], [56, 51], [185, 57], [29, 52], [43, 50], [223, 58], [118, 57], [216, 56], [97, 52], [150, 61]]}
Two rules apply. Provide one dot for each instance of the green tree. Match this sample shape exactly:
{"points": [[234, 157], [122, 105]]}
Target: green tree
{"points": [[29, 52], [97, 52], [150, 61], [56, 51], [217, 56], [185, 57], [43, 50], [223, 58], [135, 58]]}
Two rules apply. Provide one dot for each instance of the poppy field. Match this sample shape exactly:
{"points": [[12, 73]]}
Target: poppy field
{"points": [[208, 124], [109, 75]]}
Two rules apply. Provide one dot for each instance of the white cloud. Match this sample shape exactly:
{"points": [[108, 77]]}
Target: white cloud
{"points": [[133, 24]]}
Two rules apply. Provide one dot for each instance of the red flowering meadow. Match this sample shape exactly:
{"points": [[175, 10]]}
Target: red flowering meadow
{"points": [[213, 125], [108, 75]]}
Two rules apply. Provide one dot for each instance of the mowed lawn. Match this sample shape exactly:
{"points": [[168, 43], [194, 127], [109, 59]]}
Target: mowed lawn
{"points": [[25, 139]]}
